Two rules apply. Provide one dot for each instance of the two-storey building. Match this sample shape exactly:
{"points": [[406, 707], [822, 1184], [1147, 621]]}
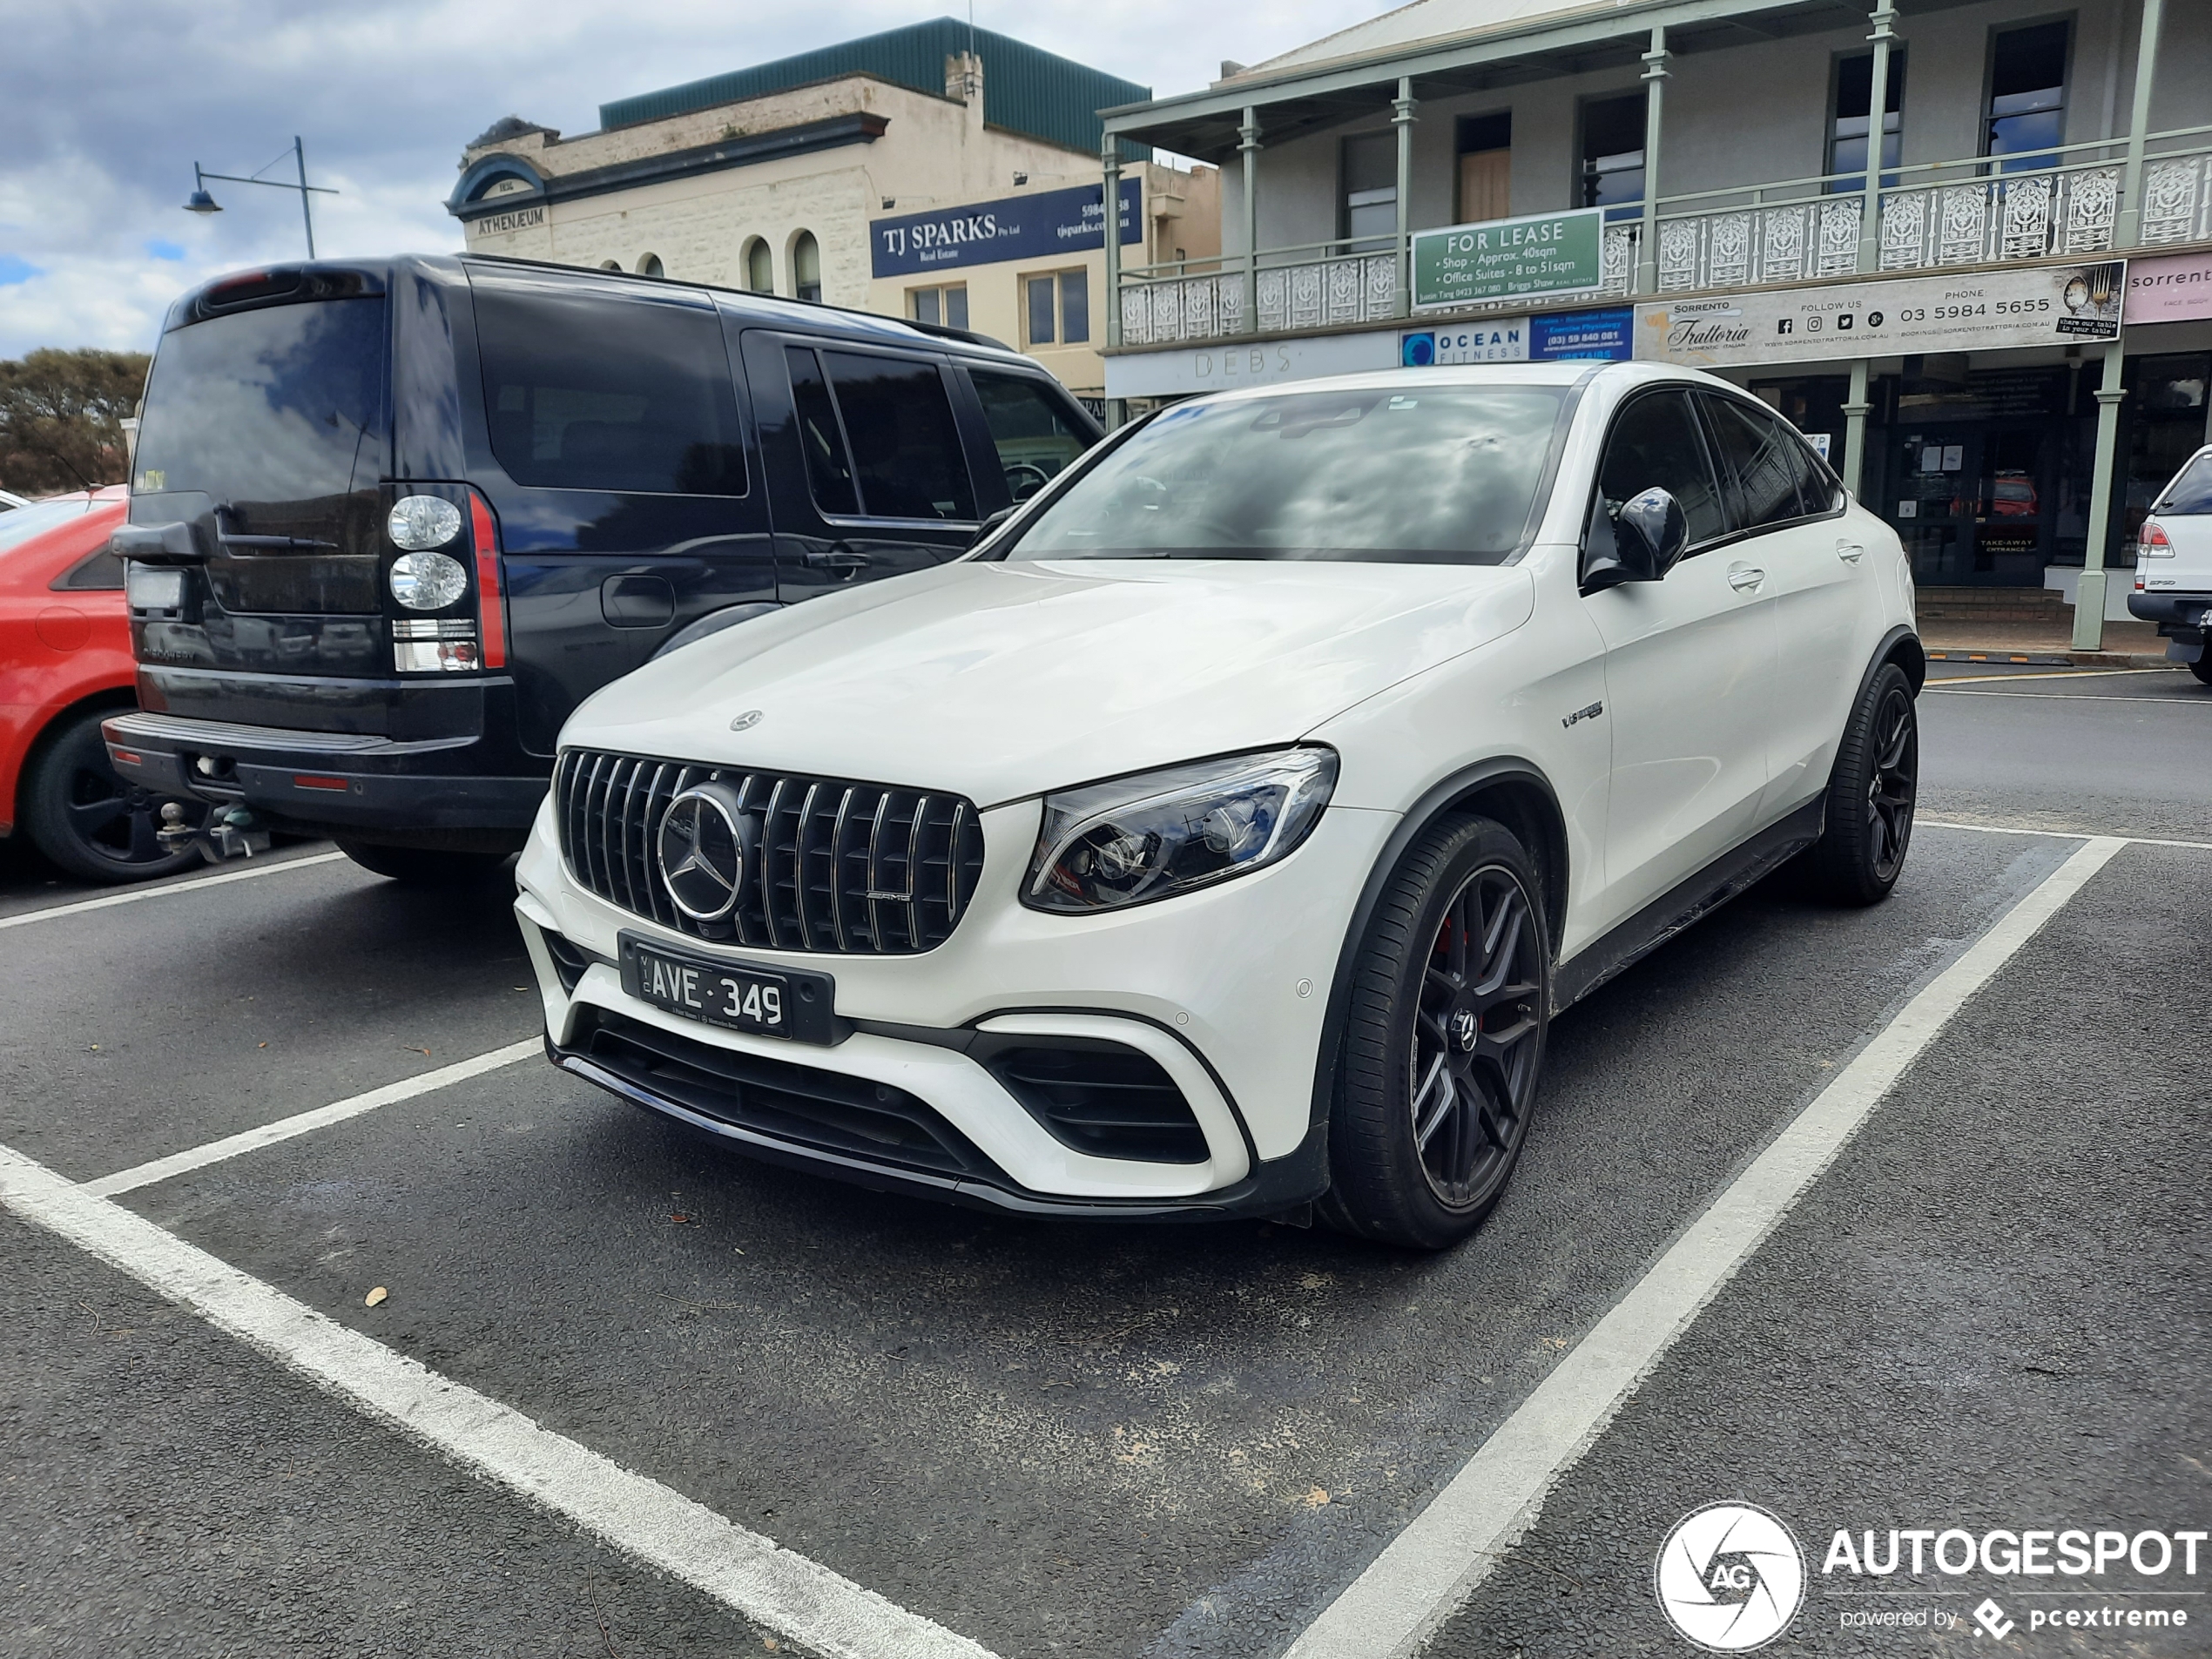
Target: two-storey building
{"points": [[1965, 244], [938, 171]]}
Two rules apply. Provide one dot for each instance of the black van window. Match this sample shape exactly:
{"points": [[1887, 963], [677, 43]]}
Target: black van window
{"points": [[1033, 427], [829, 468], [592, 393], [905, 449], [267, 406]]}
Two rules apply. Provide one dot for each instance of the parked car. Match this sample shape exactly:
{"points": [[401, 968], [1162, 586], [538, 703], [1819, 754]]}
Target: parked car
{"points": [[64, 665], [2173, 565], [393, 519], [1225, 833], [10, 502]]}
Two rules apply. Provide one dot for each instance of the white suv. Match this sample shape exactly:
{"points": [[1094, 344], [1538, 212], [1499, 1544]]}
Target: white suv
{"points": [[1221, 836], [2173, 565]]}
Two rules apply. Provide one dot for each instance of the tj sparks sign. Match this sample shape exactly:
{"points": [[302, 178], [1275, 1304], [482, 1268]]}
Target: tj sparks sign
{"points": [[1507, 259], [1971, 310], [1043, 224]]}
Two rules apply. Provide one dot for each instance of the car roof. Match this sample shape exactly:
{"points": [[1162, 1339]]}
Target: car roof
{"points": [[1571, 372]]}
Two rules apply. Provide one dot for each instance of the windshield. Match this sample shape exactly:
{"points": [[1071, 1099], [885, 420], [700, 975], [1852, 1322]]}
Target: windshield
{"points": [[25, 522], [271, 404], [1444, 475]]}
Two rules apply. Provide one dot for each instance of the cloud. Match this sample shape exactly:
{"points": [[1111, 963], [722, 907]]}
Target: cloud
{"points": [[94, 168]]}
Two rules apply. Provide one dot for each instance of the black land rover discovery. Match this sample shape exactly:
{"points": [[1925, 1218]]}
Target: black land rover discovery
{"points": [[392, 520]]}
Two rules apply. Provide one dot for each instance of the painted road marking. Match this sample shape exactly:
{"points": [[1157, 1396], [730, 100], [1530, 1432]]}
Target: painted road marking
{"points": [[1431, 1568], [284, 1128], [1933, 688], [2070, 674], [192, 886], [800, 1599], [2057, 835]]}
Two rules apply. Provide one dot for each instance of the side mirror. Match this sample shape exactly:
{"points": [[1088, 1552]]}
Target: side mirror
{"points": [[1640, 543]]}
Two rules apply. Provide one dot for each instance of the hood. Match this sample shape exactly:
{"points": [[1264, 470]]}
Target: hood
{"points": [[1004, 680]]}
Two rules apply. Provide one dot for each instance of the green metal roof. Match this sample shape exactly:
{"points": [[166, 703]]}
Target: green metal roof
{"points": [[1025, 91]]}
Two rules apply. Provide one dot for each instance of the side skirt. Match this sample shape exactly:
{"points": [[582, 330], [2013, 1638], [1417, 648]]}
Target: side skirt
{"points": [[1690, 902]]}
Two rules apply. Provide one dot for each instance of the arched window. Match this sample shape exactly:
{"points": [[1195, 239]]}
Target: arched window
{"points": [[611, 264], [806, 267], [650, 266], [760, 266]]}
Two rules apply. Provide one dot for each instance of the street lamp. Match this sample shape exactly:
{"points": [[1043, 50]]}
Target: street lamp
{"points": [[201, 202]]}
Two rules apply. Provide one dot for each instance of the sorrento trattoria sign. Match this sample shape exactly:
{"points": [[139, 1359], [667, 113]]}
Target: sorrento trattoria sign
{"points": [[1960, 311]]}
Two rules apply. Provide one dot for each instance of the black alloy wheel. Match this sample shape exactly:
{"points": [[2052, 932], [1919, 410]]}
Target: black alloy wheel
{"points": [[89, 820], [1444, 1041], [1872, 795], [2202, 667], [1473, 1057]]}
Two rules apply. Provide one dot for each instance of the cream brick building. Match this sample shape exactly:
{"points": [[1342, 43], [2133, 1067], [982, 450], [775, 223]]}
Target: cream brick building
{"points": [[802, 177]]}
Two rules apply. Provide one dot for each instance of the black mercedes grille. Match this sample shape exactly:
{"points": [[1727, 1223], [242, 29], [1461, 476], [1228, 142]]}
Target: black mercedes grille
{"points": [[861, 869]]}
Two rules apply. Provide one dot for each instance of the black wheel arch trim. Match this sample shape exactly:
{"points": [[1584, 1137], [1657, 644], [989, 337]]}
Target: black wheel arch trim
{"points": [[1508, 772], [1902, 646]]}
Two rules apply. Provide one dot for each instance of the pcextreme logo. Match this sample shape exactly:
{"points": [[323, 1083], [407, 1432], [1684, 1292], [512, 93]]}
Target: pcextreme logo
{"points": [[1730, 1577]]}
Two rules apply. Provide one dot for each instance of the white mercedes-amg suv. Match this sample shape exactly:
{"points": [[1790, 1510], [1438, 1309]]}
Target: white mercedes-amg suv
{"points": [[1222, 834]]}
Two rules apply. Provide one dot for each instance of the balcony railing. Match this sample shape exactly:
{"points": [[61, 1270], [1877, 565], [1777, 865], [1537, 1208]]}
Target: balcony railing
{"points": [[1933, 214]]}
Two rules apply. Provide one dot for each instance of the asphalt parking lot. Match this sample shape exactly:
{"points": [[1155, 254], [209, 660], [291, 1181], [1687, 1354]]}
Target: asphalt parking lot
{"points": [[1983, 1306]]}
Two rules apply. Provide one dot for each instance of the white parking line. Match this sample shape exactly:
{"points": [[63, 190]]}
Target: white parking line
{"points": [[2067, 697], [2034, 677], [193, 885], [799, 1598], [144, 1174], [2057, 835], [1429, 1568]]}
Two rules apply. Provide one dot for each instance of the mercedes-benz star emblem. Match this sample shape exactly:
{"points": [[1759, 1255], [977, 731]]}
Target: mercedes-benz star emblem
{"points": [[746, 721], [1465, 1028], [701, 848]]}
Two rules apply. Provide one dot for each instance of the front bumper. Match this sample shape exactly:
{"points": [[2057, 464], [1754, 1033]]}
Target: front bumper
{"points": [[326, 781], [1226, 990]]}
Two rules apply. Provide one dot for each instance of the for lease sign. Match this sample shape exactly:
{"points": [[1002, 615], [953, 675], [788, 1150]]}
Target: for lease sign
{"points": [[1506, 258]]}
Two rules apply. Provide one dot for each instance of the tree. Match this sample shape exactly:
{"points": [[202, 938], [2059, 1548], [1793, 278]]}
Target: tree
{"points": [[61, 419]]}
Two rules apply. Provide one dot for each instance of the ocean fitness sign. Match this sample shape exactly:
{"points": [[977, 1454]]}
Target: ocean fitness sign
{"points": [[1507, 259], [1042, 225]]}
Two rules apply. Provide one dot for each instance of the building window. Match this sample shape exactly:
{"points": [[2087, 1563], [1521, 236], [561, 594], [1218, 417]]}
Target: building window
{"points": [[1847, 130], [1057, 307], [1485, 167], [1613, 152], [1369, 209], [611, 264], [759, 267], [2026, 95], [947, 305], [806, 267], [650, 266]]}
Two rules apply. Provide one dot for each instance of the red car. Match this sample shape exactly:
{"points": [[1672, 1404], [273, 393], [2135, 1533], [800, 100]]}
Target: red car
{"points": [[64, 662]]}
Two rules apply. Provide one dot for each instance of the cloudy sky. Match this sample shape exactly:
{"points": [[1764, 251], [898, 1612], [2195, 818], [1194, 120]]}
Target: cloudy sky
{"points": [[104, 105]]}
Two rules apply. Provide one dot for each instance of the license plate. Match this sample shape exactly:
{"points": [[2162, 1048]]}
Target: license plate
{"points": [[769, 1003]]}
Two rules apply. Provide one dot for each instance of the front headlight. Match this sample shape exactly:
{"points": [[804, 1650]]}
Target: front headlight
{"points": [[1134, 839]]}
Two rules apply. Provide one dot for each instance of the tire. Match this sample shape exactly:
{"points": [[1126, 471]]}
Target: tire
{"points": [[2202, 667], [1872, 795], [417, 867], [1444, 1044], [86, 819]]}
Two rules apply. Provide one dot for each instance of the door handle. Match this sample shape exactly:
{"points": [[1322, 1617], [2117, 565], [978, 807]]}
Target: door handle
{"points": [[1849, 552], [1745, 579], [839, 560]]}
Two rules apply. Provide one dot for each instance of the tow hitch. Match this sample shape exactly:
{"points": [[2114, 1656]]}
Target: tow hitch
{"points": [[228, 833]]}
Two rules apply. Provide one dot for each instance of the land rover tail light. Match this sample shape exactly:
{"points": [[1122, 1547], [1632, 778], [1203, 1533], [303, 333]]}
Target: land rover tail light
{"points": [[491, 598]]}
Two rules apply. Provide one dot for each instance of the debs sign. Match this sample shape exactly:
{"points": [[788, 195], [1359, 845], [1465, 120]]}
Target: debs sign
{"points": [[1042, 225]]}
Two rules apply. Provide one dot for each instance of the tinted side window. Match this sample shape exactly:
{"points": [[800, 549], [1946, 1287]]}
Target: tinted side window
{"points": [[101, 571], [1034, 428], [906, 450], [1656, 443], [1767, 461], [591, 393], [829, 467]]}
